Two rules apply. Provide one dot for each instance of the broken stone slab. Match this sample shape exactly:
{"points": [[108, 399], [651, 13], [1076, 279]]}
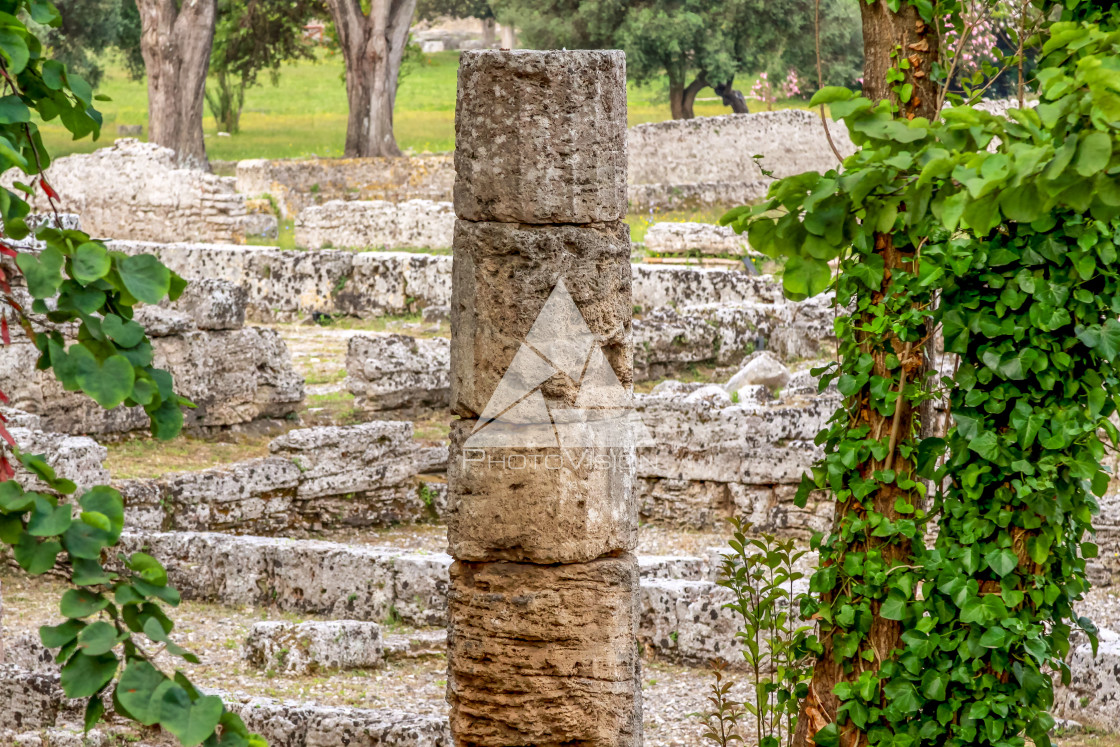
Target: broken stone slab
{"points": [[328, 476], [353, 582], [667, 237], [395, 283], [679, 286], [234, 376], [760, 369], [527, 262], [359, 224], [561, 637], [76, 458], [524, 149], [420, 644], [394, 371], [134, 190], [671, 566], [311, 647], [28, 700], [685, 620]]}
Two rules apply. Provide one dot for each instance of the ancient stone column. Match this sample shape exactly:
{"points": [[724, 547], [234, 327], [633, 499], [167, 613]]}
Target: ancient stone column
{"points": [[543, 523]]}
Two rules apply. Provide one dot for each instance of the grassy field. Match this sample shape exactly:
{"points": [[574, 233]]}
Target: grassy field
{"points": [[305, 114]]}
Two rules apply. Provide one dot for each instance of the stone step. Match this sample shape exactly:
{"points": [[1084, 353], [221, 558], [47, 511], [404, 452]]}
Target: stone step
{"points": [[32, 702], [681, 616]]}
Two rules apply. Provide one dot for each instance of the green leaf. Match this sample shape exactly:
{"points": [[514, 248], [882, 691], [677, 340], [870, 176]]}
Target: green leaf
{"points": [[35, 556], [145, 277], [1002, 561], [14, 49], [90, 263], [830, 95], [99, 638], [49, 520], [149, 568], [109, 383], [79, 603], [43, 273], [829, 736], [191, 722], [13, 110], [59, 635], [83, 676], [125, 333], [805, 277], [1094, 153], [141, 689]]}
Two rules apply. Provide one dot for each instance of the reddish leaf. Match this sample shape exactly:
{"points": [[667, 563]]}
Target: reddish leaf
{"points": [[7, 251], [6, 471], [5, 334], [48, 189], [7, 436]]}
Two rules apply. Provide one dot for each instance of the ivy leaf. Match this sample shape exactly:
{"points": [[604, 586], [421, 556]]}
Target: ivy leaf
{"points": [[805, 277], [48, 519], [141, 689], [191, 722], [829, 736], [43, 273], [1002, 561], [127, 334], [109, 382], [35, 556]]}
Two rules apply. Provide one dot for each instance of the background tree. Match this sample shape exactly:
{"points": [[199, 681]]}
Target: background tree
{"points": [[253, 36], [373, 45], [699, 44], [176, 39], [86, 30]]}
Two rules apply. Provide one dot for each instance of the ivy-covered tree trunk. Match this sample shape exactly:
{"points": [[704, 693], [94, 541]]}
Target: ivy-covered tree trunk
{"points": [[175, 41], [373, 46], [916, 95]]}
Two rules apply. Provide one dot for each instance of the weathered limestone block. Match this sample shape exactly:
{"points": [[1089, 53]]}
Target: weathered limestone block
{"points": [[421, 644], [254, 495], [1093, 695], [679, 152], [760, 369], [392, 371], [212, 304], [395, 283], [685, 620], [644, 198], [134, 190], [297, 724], [544, 655], [26, 652], [28, 700], [77, 458], [351, 582], [336, 460], [678, 286], [296, 184], [526, 262], [541, 505], [671, 566], [234, 376], [355, 224], [540, 137], [668, 237], [310, 647]]}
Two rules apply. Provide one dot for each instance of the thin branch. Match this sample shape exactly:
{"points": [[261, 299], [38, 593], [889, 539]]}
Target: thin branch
{"points": [[820, 81]]}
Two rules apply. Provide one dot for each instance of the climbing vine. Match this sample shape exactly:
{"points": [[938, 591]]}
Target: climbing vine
{"points": [[1005, 234], [116, 620]]}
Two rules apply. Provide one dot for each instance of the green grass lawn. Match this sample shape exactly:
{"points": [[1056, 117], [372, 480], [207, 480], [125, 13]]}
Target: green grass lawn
{"points": [[305, 114]]}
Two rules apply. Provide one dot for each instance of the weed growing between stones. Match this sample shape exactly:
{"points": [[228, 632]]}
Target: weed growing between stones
{"points": [[116, 616]]}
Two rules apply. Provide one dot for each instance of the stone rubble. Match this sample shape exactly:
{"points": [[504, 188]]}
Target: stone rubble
{"points": [[690, 238], [133, 190], [312, 647], [1093, 695], [760, 369], [321, 477], [392, 372], [354, 224]]}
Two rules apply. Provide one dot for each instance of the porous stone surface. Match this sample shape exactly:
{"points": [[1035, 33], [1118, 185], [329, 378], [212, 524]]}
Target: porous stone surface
{"points": [[421, 644], [526, 263], [529, 148], [297, 724], [134, 190], [393, 371], [1093, 695], [322, 477], [540, 505], [685, 620], [691, 238], [677, 152], [710, 459], [76, 458], [544, 655], [351, 582], [696, 195], [760, 369], [296, 184], [311, 647], [285, 286], [213, 304], [28, 700], [357, 224]]}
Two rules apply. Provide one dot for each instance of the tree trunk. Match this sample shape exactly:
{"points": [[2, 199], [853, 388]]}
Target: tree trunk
{"points": [[509, 36], [372, 47], [883, 31], [175, 44], [489, 32], [732, 97], [688, 98]]}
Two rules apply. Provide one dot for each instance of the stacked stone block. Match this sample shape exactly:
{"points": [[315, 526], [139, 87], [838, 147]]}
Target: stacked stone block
{"points": [[543, 601]]}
